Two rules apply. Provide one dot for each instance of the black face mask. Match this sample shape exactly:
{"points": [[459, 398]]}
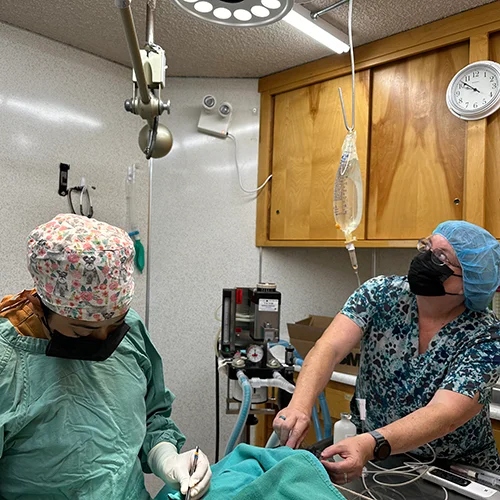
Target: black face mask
{"points": [[426, 277], [84, 348]]}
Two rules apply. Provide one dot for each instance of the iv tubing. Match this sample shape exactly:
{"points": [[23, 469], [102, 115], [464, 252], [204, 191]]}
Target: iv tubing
{"points": [[244, 411]]}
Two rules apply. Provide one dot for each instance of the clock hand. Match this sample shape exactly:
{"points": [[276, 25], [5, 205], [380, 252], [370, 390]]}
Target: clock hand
{"points": [[473, 88]]}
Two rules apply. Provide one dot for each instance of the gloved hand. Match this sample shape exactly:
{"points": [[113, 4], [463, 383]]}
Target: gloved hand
{"points": [[173, 468]]}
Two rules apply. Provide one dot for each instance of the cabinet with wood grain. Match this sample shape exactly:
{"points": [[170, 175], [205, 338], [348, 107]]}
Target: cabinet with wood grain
{"points": [[417, 147], [420, 164], [308, 134]]}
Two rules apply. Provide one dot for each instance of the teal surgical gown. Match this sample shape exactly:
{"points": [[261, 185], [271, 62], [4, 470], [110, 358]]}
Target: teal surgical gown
{"points": [[73, 429]]}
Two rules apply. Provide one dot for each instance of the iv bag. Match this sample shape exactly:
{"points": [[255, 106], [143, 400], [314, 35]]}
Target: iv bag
{"points": [[348, 190]]}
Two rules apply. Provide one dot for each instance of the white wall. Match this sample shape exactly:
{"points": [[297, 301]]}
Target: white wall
{"points": [[58, 104]]}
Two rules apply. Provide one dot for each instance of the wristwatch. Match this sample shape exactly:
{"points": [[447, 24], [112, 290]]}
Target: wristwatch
{"points": [[382, 447]]}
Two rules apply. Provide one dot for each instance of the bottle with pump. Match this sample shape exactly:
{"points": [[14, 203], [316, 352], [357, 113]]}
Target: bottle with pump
{"points": [[343, 429]]}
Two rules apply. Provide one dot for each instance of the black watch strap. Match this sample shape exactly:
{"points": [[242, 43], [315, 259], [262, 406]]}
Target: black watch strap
{"points": [[382, 448]]}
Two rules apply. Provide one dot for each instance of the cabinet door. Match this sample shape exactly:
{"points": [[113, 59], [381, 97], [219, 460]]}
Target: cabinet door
{"points": [[307, 142], [492, 205], [417, 148]]}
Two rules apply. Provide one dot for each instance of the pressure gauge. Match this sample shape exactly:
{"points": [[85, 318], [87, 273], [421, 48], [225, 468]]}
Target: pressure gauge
{"points": [[255, 353], [474, 92]]}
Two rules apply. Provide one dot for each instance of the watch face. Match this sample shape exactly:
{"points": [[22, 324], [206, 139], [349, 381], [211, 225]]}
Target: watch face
{"points": [[383, 451], [475, 89]]}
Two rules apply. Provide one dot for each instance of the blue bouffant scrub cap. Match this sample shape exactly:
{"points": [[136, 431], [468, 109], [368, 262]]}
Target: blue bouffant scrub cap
{"points": [[479, 255]]}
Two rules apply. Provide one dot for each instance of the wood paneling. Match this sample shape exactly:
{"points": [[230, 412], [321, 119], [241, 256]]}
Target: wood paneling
{"points": [[265, 159], [461, 27], [308, 135], [492, 175], [417, 149], [496, 432], [475, 168]]}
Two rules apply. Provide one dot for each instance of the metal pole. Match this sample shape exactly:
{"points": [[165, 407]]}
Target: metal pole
{"points": [[133, 48], [148, 251], [319, 13], [150, 22], [260, 264], [374, 262]]}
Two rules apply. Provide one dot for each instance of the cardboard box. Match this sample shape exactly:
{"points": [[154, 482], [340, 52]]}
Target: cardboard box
{"points": [[304, 333]]}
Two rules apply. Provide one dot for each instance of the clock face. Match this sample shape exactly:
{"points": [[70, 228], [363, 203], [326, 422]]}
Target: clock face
{"points": [[475, 89], [474, 92]]}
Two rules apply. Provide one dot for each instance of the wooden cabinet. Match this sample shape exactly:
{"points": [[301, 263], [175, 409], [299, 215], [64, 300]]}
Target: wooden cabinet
{"points": [[417, 147], [308, 134], [492, 188], [420, 164]]}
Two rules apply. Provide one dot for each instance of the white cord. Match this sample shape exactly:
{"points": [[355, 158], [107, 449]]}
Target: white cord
{"points": [[215, 314], [249, 191], [416, 470], [360, 495]]}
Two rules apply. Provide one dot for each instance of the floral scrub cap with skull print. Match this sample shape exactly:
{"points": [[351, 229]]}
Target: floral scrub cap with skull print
{"points": [[82, 268]]}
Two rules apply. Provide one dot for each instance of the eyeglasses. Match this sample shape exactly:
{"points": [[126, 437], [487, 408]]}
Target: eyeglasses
{"points": [[438, 256]]}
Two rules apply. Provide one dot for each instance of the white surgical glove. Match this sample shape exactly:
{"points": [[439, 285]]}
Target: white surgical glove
{"points": [[173, 468]]}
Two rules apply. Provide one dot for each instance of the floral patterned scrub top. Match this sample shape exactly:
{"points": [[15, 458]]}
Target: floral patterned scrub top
{"points": [[395, 380]]}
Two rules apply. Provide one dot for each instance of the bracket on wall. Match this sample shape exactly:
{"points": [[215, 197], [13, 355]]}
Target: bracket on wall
{"points": [[63, 179]]}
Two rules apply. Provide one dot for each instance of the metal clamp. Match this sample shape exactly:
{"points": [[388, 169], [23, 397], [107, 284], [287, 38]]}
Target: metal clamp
{"points": [[319, 13]]}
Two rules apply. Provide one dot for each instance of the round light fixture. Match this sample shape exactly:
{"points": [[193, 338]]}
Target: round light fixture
{"points": [[238, 13]]}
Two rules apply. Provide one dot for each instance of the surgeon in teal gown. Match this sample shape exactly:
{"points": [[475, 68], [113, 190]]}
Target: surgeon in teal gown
{"points": [[83, 407]]}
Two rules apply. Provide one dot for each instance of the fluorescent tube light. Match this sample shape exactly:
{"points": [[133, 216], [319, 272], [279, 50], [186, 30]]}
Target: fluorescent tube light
{"points": [[320, 30]]}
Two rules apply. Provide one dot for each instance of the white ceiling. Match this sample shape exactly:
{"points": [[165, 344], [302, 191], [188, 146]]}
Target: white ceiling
{"points": [[198, 48]]}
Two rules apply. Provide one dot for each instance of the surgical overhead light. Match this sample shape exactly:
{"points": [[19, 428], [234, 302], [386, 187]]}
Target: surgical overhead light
{"points": [[238, 13], [323, 32]]}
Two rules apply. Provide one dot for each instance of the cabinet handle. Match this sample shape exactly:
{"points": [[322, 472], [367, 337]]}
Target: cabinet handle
{"points": [[456, 201]]}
